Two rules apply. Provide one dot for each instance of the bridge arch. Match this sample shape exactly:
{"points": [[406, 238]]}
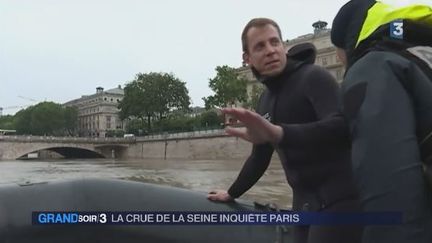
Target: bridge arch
{"points": [[16, 147], [69, 152]]}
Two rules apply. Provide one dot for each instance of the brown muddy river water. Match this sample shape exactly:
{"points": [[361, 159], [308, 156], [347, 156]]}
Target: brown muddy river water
{"points": [[197, 175]]}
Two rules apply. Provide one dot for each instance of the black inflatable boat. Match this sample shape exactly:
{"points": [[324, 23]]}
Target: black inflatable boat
{"points": [[17, 202]]}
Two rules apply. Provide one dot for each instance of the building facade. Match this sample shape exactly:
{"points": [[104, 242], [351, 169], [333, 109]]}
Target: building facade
{"points": [[326, 55], [98, 113]]}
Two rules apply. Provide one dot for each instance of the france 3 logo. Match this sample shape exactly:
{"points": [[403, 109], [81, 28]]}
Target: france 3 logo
{"points": [[68, 218], [396, 29]]}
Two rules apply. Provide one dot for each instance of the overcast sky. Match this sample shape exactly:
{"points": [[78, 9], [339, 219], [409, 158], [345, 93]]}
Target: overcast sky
{"points": [[58, 50]]}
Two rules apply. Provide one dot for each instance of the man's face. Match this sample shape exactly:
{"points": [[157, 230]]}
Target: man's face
{"points": [[266, 52]]}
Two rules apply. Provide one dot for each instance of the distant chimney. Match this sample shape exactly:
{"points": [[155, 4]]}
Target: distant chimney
{"points": [[99, 90], [119, 86], [319, 26]]}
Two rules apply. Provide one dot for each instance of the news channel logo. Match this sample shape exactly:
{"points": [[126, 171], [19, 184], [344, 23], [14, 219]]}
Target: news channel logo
{"points": [[69, 218], [396, 29]]}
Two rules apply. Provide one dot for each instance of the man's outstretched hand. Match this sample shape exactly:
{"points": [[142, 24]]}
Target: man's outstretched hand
{"points": [[219, 196], [257, 129]]}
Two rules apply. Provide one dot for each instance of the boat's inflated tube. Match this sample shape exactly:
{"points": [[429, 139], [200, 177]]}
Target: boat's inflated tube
{"points": [[17, 202]]}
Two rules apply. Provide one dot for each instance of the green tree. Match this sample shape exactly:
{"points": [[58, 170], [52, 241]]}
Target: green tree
{"points": [[255, 95], [228, 88], [135, 103], [23, 121], [46, 118], [7, 122], [210, 119], [118, 133], [70, 115], [152, 96], [136, 126], [176, 123]]}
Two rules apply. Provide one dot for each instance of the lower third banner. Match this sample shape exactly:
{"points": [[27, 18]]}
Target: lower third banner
{"points": [[216, 218]]}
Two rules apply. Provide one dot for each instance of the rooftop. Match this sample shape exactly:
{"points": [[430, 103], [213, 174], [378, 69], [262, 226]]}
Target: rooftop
{"points": [[117, 90]]}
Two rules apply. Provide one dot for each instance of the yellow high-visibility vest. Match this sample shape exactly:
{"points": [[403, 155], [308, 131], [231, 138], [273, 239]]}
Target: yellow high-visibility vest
{"points": [[386, 11]]}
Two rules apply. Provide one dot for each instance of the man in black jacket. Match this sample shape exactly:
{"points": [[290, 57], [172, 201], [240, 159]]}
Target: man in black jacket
{"points": [[387, 101], [296, 116]]}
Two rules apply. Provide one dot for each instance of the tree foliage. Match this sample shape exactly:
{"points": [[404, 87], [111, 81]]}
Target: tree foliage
{"points": [[152, 96], [254, 96], [177, 122], [115, 133], [46, 118], [137, 127], [70, 116], [7, 122], [210, 119], [174, 124], [228, 88]]}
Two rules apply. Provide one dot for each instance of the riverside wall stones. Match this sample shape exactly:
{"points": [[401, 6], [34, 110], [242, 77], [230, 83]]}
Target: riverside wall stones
{"points": [[211, 147]]}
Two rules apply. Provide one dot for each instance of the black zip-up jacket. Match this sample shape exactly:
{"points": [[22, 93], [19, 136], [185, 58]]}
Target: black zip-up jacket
{"points": [[315, 148]]}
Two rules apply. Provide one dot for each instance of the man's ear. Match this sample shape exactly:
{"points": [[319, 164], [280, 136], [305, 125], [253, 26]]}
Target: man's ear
{"points": [[246, 58]]}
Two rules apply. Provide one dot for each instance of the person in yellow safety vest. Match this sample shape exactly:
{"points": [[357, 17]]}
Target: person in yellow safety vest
{"points": [[387, 101]]}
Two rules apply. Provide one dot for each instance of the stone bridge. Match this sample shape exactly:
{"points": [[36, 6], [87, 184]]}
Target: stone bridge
{"points": [[16, 147]]}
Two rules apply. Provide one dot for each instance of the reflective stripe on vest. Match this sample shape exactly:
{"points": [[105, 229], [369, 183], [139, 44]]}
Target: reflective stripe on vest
{"points": [[383, 13]]}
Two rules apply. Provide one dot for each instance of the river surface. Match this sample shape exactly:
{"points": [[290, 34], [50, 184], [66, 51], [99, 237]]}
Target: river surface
{"points": [[197, 175]]}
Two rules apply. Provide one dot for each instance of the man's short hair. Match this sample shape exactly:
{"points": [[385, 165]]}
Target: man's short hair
{"points": [[257, 22]]}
